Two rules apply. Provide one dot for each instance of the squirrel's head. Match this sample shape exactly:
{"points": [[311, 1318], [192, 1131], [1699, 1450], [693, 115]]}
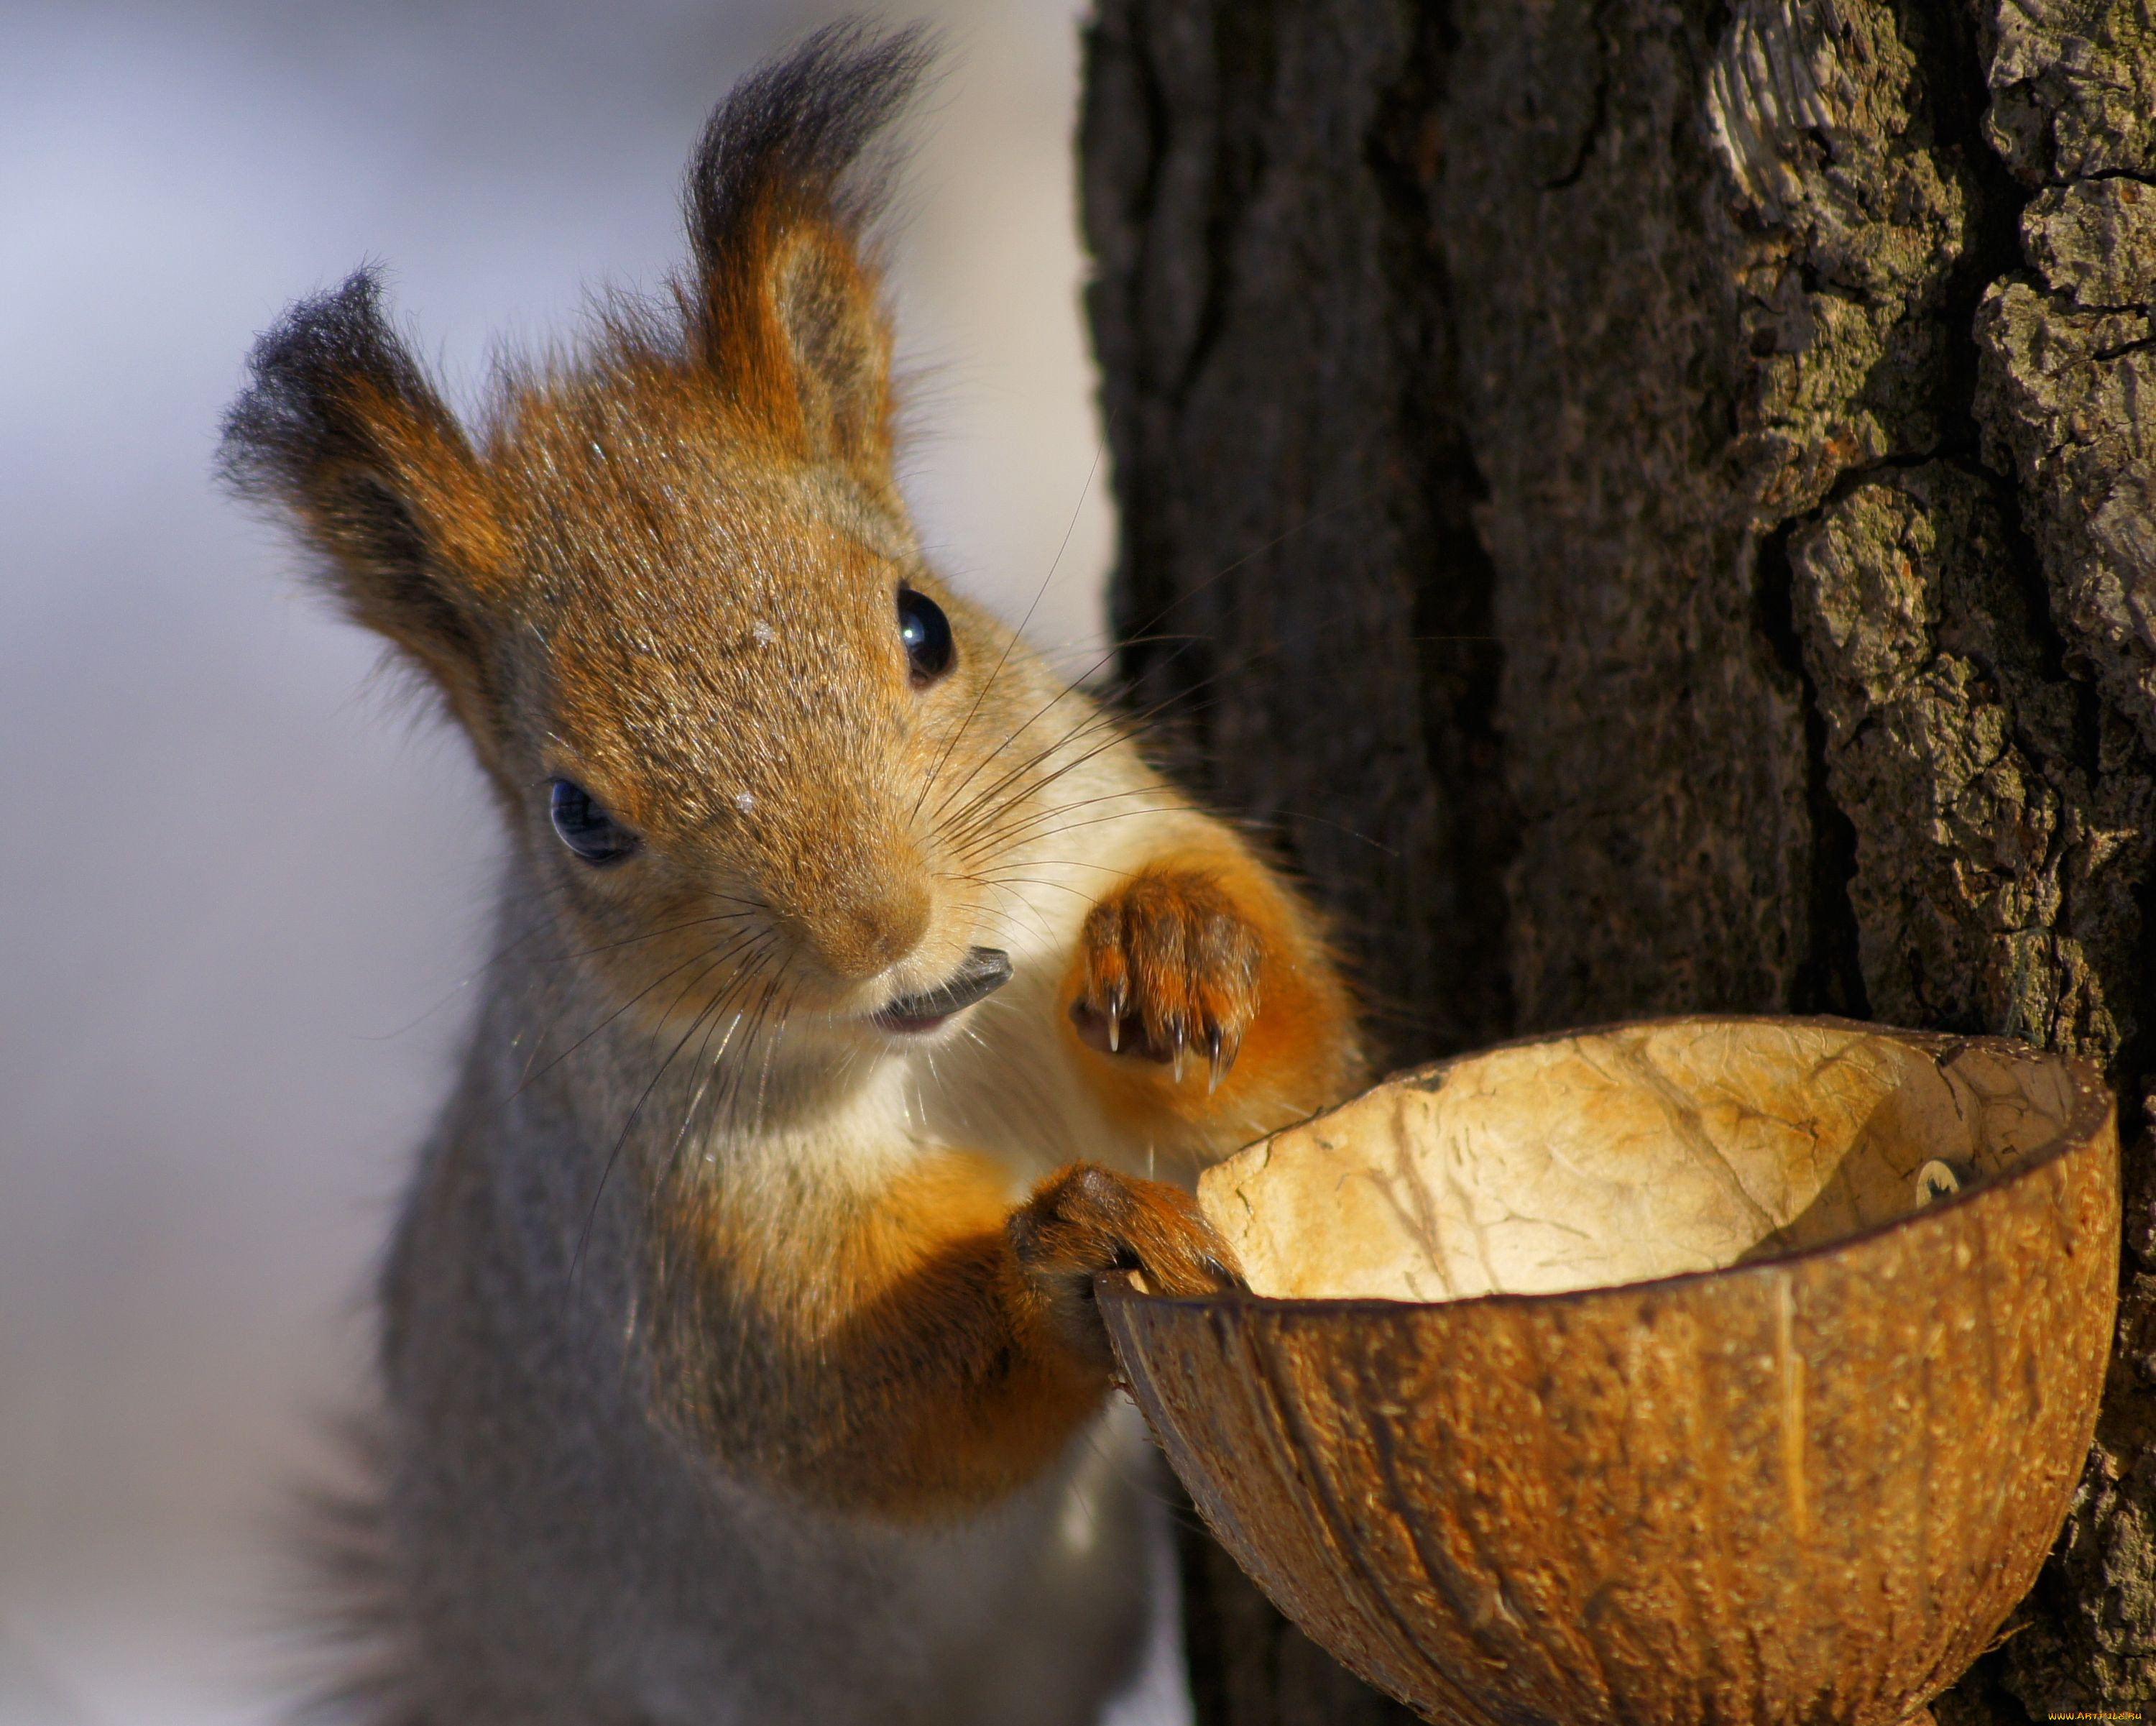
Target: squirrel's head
{"points": [[670, 591]]}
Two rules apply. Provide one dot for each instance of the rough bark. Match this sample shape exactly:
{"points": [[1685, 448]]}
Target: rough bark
{"points": [[1649, 505]]}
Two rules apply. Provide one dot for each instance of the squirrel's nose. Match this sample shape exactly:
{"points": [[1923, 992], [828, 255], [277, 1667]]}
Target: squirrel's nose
{"points": [[856, 935]]}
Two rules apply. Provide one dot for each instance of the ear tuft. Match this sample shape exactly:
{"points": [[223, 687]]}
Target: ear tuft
{"points": [[292, 422], [785, 306], [339, 429]]}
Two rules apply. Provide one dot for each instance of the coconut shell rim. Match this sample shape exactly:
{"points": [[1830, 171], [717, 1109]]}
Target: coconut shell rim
{"points": [[2095, 1109]]}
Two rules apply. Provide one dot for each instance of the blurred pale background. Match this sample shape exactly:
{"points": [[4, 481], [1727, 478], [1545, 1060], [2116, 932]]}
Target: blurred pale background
{"points": [[238, 890]]}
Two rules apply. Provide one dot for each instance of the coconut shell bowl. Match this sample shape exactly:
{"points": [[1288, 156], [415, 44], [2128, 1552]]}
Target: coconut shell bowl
{"points": [[1704, 1371]]}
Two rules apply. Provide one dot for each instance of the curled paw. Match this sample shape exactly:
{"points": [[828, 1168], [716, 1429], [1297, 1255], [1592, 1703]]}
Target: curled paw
{"points": [[1085, 1220], [1168, 965]]}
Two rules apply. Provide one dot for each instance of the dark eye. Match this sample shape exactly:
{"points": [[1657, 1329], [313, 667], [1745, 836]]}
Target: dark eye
{"points": [[926, 633], [588, 829]]}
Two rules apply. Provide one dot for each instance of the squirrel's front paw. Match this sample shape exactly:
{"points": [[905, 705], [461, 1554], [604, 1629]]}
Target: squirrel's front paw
{"points": [[1166, 964], [1086, 1220]]}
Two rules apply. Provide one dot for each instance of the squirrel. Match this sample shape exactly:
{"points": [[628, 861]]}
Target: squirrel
{"points": [[738, 1358]]}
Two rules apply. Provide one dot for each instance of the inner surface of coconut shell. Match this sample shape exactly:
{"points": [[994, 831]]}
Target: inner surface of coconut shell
{"points": [[1620, 1156]]}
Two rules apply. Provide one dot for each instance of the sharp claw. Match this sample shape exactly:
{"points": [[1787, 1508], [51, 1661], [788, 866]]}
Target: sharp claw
{"points": [[1180, 1043], [1115, 1033], [1217, 1069], [1118, 1004]]}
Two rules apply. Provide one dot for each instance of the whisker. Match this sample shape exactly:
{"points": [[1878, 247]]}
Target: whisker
{"points": [[708, 1058], [591, 1214], [1119, 727], [1099, 820], [529, 1077], [1047, 779], [1108, 656], [1003, 918], [1097, 719], [1000, 920], [1009, 787], [1008, 881], [770, 1049], [673, 1157], [1010, 824], [1130, 723]]}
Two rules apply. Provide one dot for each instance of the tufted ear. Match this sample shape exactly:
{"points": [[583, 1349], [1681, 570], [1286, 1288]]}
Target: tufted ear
{"points": [[785, 308], [340, 429]]}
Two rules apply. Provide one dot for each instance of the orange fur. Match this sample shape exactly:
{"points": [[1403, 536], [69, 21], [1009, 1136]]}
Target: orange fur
{"points": [[952, 1329], [1284, 1014]]}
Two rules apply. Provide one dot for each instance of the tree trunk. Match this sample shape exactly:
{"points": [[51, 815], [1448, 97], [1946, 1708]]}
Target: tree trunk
{"points": [[1650, 506]]}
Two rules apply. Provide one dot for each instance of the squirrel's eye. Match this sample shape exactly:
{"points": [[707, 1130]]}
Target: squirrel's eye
{"points": [[926, 633], [588, 829]]}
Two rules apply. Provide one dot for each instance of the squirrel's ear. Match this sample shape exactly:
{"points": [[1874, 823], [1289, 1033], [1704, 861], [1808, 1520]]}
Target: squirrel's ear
{"points": [[340, 429], [785, 309]]}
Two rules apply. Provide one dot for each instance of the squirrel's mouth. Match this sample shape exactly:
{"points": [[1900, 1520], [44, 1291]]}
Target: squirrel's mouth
{"points": [[985, 970]]}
